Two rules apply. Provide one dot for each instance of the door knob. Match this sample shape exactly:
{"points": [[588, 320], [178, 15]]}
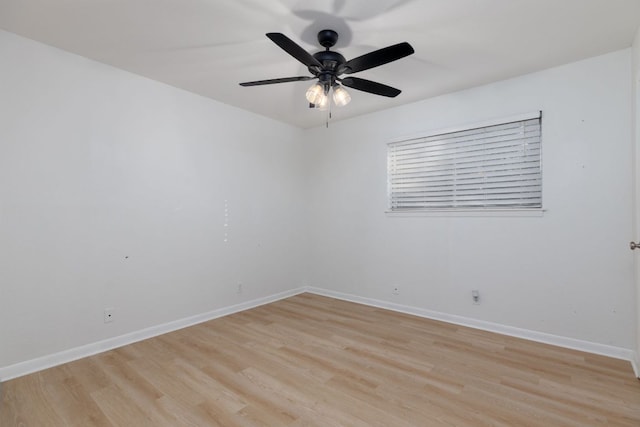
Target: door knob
{"points": [[634, 245]]}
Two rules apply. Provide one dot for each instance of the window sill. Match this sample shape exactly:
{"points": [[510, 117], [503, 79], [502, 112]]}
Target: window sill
{"points": [[468, 213]]}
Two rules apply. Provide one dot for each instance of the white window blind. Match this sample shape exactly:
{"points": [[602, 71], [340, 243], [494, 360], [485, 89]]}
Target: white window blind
{"points": [[488, 167]]}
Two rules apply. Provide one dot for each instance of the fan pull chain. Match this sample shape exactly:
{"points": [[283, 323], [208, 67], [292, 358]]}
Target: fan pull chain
{"points": [[328, 115], [328, 109]]}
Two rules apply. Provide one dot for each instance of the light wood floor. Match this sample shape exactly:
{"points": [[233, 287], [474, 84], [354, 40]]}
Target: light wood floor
{"points": [[315, 361]]}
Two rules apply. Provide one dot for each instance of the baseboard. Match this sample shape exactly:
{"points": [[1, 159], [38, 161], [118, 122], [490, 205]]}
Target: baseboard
{"points": [[48, 361], [560, 341]]}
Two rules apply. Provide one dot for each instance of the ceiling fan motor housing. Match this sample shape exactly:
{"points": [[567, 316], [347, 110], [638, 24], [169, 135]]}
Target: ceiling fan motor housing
{"points": [[330, 61]]}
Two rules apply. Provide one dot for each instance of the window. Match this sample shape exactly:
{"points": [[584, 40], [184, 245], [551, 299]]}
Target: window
{"points": [[495, 166]]}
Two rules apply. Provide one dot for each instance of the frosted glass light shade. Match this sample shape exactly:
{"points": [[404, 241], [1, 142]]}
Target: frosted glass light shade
{"points": [[340, 96], [315, 93], [323, 102]]}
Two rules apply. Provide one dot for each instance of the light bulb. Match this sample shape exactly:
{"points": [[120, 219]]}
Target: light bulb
{"points": [[315, 93], [340, 96]]}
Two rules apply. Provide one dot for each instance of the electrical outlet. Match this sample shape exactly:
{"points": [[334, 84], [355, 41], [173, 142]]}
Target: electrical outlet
{"points": [[109, 314], [475, 295], [239, 290], [396, 290]]}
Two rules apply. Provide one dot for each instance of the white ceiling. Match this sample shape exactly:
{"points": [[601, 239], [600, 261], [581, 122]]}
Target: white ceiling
{"points": [[209, 46]]}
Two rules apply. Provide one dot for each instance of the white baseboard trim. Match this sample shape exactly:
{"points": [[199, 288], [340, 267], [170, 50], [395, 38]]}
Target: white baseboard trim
{"points": [[48, 361], [560, 341]]}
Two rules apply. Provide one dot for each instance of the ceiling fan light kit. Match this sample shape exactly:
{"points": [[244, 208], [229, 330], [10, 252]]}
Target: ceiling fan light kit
{"points": [[328, 66], [322, 105], [315, 93], [340, 96]]}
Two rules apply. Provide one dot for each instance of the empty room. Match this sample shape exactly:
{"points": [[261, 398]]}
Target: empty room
{"points": [[319, 213]]}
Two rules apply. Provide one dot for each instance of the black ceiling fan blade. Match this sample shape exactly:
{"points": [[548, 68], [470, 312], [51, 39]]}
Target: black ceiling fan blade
{"points": [[371, 87], [293, 49], [376, 58], [273, 81]]}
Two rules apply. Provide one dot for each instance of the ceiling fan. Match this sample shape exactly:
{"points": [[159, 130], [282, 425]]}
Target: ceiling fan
{"points": [[328, 66]]}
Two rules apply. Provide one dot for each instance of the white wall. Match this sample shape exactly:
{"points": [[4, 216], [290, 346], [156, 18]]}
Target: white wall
{"points": [[97, 165], [568, 273]]}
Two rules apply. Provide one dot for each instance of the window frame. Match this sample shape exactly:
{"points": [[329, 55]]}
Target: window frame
{"points": [[468, 211]]}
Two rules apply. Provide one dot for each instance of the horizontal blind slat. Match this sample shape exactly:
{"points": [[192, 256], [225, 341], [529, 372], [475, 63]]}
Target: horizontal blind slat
{"points": [[457, 136], [461, 144]]}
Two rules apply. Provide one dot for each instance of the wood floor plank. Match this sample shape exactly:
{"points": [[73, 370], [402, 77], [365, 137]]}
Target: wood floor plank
{"points": [[315, 361]]}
